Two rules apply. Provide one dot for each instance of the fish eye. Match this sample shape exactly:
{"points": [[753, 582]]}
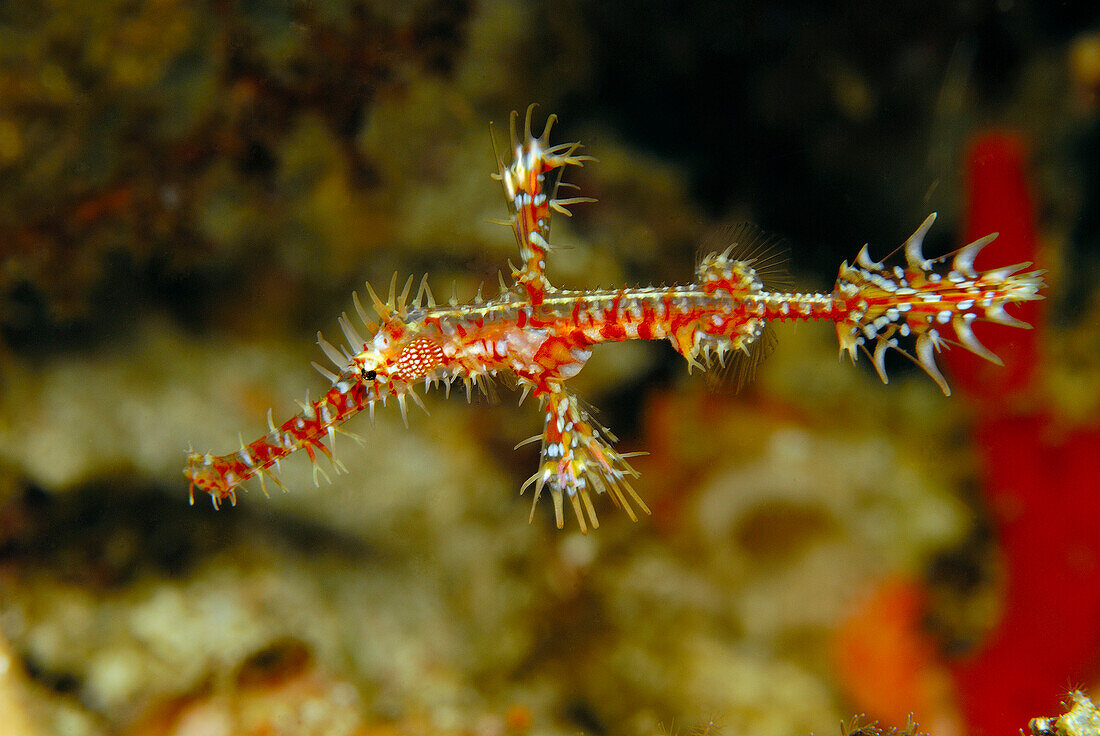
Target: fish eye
{"points": [[370, 375]]}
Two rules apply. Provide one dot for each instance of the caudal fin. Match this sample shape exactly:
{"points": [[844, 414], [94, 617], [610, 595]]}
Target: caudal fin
{"points": [[927, 304]]}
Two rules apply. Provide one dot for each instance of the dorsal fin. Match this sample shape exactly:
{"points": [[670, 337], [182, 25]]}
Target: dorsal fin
{"points": [[747, 243]]}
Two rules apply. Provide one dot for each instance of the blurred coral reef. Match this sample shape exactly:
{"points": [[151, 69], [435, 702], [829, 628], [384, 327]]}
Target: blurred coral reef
{"points": [[189, 190]]}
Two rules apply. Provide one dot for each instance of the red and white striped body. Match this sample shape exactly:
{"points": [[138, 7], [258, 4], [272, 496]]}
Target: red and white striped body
{"points": [[543, 336]]}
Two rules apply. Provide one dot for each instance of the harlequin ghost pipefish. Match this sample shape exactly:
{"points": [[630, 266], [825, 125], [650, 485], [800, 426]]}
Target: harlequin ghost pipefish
{"points": [[542, 336]]}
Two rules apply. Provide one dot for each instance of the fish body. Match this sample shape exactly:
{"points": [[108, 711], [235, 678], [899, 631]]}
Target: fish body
{"points": [[542, 336]]}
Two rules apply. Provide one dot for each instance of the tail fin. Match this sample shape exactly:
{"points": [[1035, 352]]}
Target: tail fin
{"points": [[928, 301]]}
